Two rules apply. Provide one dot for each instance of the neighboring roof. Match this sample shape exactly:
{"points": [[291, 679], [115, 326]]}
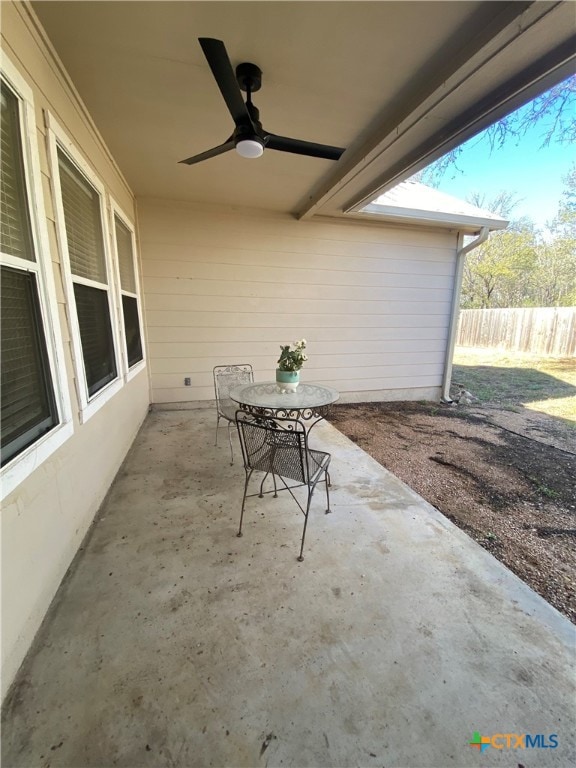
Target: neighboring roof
{"points": [[415, 202]]}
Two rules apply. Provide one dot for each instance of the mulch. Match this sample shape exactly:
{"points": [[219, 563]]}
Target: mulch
{"points": [[515, 495]]}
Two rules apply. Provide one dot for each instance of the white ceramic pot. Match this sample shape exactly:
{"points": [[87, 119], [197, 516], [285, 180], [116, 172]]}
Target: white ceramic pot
{"points": [[287, 381]]}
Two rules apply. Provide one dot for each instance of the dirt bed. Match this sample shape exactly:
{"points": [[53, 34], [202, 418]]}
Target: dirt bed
{"points": [[514, 495]]}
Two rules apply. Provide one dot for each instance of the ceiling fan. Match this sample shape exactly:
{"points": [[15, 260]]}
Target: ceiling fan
{"points": [[249, 138]]}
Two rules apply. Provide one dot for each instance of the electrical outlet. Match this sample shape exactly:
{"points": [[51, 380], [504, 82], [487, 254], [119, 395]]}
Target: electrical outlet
{"points": [[187, 381]]}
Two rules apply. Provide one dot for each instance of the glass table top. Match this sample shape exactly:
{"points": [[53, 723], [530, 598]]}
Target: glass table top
{"points": [[266, 394]]}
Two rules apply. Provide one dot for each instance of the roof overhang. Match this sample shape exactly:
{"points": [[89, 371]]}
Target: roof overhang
{"points": [[527, 49], [470, 225]]}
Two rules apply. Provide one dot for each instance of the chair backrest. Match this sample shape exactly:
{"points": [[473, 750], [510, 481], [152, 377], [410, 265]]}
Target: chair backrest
{"points": [[278, 446], [227, 378]]}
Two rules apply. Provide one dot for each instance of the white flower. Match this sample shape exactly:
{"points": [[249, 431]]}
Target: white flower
{"points": [[292, 357]]}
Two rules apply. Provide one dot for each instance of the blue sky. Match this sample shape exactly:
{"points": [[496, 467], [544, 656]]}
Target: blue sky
{"points": [[520, 166]]}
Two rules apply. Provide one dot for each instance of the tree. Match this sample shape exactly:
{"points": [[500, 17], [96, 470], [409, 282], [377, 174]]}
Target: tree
{"points": [[555, 274], [565, 223], [554, 111], [503, 204], [522, 266], [499, 273], [556, 264], [556, 107], [519, 266]]}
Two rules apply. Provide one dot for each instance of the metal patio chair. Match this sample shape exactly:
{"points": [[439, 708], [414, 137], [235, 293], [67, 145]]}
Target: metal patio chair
{"points": [[227, 378], [279, 447]]}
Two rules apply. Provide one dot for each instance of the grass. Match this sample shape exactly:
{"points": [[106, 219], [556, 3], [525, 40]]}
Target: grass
{"points": [[550, 492], [513, 380]]}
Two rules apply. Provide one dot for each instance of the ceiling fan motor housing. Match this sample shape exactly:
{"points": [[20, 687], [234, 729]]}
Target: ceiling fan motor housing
{"points": [[249, 77]]}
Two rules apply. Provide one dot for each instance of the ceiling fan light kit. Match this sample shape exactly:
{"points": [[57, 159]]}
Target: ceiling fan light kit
{"points": [[250, 147], [249, 137]]}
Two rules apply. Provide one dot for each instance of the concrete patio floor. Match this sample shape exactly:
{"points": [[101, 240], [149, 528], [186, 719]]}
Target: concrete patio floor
{"points": [[172, 642]]}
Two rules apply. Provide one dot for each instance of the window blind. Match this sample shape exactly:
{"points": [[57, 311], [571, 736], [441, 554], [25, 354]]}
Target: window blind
{"points": [[132, 329], [15, 228], [125, 256], [82, 220], [95, 335], [28, 408]]}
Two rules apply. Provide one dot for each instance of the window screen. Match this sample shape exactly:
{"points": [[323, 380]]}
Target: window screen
{"points": [[125, 256], [95, 335], [15, 230], [83, 224], [28, 408], [132, 329]]}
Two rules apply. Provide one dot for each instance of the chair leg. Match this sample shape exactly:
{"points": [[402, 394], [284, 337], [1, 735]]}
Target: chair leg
{"points": [[327, 481], [247, 480], [300, 557], [217, 424], [230, 441], [261, 494]]}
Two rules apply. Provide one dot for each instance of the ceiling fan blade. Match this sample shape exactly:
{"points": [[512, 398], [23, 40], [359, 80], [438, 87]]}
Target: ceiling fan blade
{"points": [[297, 147], [214, 152], [219, 63]]}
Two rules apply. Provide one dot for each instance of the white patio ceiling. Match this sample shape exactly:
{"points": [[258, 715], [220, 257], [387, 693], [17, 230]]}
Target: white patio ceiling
{"points": [[394, 82]]}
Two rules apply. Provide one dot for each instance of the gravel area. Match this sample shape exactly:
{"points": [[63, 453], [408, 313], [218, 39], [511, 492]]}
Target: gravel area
{"points": [[514, 494]]}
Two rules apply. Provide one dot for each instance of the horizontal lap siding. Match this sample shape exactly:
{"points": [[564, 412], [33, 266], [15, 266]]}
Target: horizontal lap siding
{"points": [[187, 292], [211, 338], [332, 365], [168, 354], [373, 302], [342, 270], [296, 305]]}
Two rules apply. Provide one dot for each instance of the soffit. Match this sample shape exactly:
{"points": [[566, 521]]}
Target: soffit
{"points": [[331, 70]]}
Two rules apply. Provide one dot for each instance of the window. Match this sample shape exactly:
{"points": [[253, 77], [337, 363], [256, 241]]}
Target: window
{"points": [[81, 204], [124, 238], [28, 405], [83, 237], [35, 409], [28, 408]]}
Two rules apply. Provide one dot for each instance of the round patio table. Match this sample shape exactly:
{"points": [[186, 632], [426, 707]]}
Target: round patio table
{"points": [[309, 403]]}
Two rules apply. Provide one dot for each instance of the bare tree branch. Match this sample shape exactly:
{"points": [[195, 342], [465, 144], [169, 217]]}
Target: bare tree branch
{"points": [[554, 110]]}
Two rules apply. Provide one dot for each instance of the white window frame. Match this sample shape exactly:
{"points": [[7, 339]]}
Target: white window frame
{"points": [[58, 139], [15, 471], [116, 210]]}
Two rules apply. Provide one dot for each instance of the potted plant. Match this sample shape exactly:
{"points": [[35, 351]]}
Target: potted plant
{"points": [[289, 364]]}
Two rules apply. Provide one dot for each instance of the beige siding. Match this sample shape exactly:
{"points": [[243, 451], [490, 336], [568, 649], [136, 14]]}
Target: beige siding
{"points": [[45, 518], [227, 286]]}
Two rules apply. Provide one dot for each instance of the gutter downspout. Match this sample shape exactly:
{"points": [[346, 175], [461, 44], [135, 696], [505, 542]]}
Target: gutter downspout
{"points": [[454, 309]]}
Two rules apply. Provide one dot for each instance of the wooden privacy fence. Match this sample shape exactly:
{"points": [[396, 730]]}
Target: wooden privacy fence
{"points": [[542, 330]]}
